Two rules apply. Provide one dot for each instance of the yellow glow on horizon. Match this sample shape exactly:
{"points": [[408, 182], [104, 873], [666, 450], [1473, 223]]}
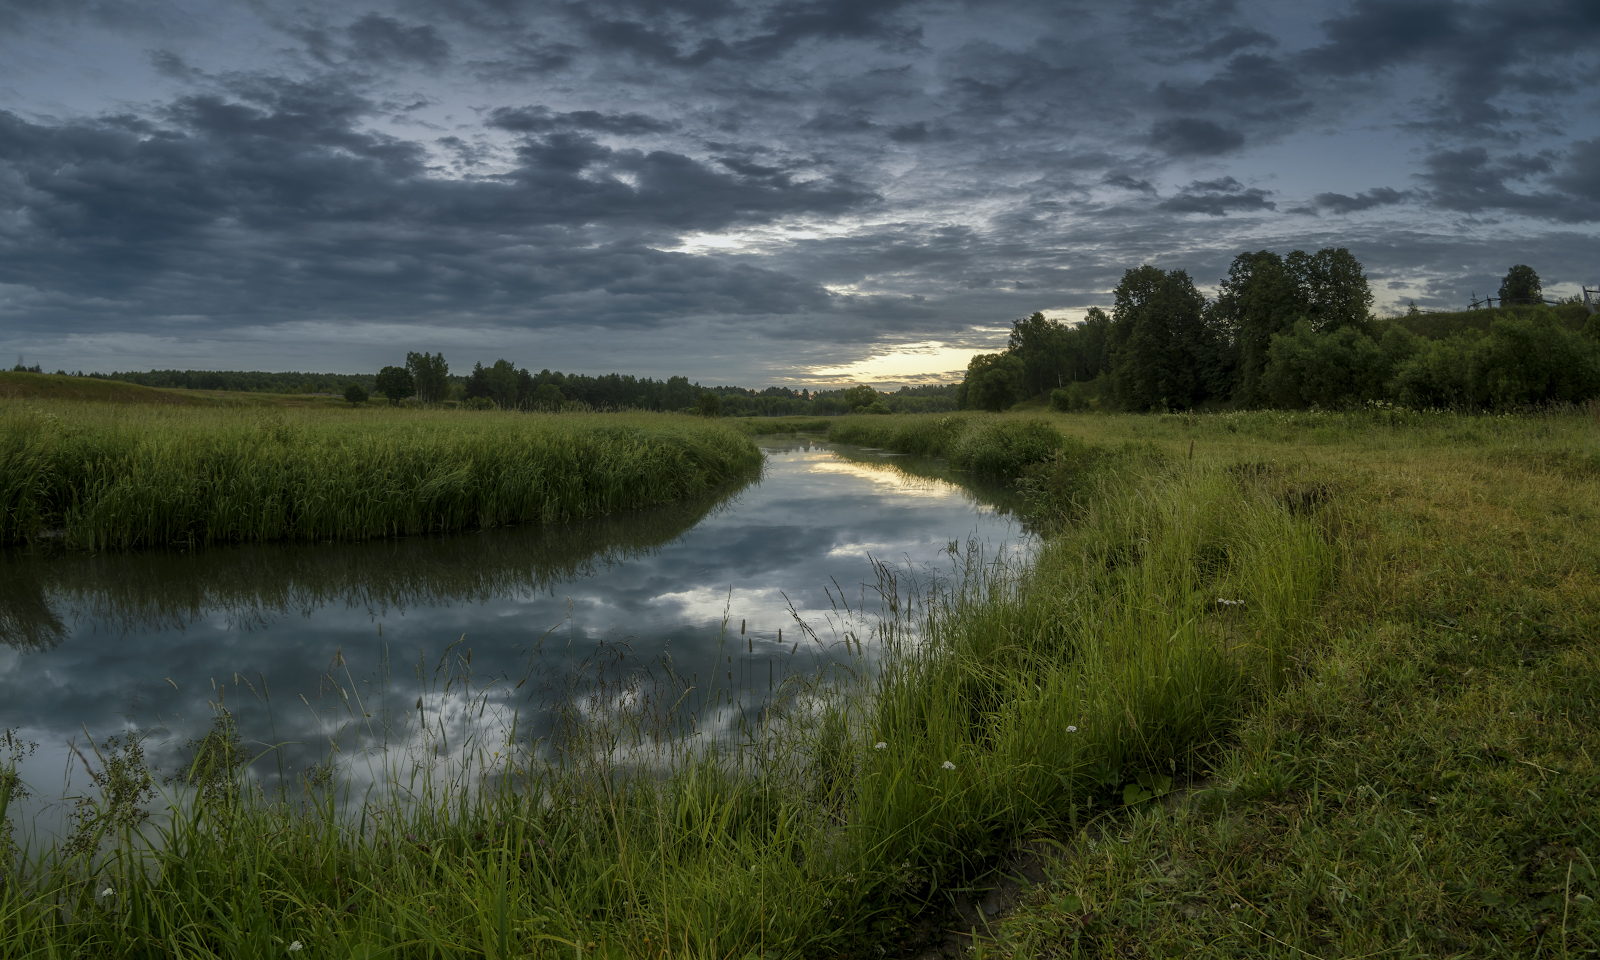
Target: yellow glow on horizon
{"points": [[910, 359]]}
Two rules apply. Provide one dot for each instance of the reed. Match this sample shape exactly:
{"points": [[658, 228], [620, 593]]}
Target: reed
{"points": [[985, 445], [1013, 701], [115, 477]]}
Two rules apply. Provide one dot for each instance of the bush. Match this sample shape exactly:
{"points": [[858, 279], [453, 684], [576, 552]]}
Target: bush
{"points": [[1002, 448], [355, 394], [1524, 360], [1532, 361], [1073, 398], [1343, 368]]}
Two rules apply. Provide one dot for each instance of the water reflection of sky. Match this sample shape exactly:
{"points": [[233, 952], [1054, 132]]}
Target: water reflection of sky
{"points": [[153, 640]]}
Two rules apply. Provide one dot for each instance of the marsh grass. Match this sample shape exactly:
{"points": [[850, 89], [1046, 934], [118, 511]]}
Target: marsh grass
{"points": [[659, 815], [117, 477], [1325, 686]]}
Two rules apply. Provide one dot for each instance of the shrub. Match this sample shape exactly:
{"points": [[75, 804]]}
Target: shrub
{"points": [[355, 394], [1331, 370], [1002, 448], [1073, 398], [1534, 360]]}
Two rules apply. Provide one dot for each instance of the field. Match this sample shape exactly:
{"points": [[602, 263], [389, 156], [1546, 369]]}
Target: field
{"points": [[1278, 684], [15, 385], [129, 475]]}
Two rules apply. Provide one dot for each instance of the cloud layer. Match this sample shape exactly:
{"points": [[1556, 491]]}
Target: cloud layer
{"points": [[746, 190]]}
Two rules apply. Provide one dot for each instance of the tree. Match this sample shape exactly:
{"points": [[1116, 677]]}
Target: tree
{"points": [[546, 396], [355, 394], [395, 383], [860, 396], [709, 405], [1334, 288], [502, 382], [430, 375], [1041, 345], [1259, 299], [1333, 370], [993, 382], [478, 383], [1160, 344], [1521, 285]]}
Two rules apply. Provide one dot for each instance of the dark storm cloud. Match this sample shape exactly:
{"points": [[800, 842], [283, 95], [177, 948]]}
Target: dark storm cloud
{"points": [[1191, 137], [1482, 52], [382, 39], [1232, 42], [1217, 198], [844, 168], [541, 119], [1473, 181], [659, 35], [320, 209], [1365, 200], [1580, 174]]}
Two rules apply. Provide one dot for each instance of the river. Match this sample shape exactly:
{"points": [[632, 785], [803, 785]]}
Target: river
{"points": [[313, 647]]}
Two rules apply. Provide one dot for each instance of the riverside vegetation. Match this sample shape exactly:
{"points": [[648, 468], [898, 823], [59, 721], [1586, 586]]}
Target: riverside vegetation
{"points": [[128, 476], [1277, 684]]}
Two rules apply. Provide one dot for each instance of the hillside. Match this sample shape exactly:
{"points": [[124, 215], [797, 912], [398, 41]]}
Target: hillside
{"points": [[1435, 326]]}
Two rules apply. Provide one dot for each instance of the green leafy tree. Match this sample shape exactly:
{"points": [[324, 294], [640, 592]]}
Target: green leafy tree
{"points": [[1534, 360], [502, 382], [708, 405], [993, 382], [860, 396], [430, 375], [1334, 288], [1520, 286], [1342, 368], [355, 394], [395, 383], [547, 396], [1259, 299], [1160, 343], [1042, 345]]}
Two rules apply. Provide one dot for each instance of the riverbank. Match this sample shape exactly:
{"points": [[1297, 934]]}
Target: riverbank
{"points": [[115, 476], [1281, 684]]}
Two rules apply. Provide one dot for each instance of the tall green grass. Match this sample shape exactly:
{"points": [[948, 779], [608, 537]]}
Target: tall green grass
{"points": [[833, 821], [986, 445], [127, 477]]}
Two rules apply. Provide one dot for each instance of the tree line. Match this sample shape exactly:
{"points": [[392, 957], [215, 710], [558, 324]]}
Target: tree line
{"points": [[1284, 331], [426, 378]]}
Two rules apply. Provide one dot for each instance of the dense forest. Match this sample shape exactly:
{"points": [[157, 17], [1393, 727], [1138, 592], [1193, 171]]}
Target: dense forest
{"points": [[1294, 331]]}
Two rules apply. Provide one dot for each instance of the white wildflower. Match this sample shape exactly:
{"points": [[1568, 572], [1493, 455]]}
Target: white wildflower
{"points": [[948, 765], [880, 745], [295, 947], [106, 894], [1072, 729]]}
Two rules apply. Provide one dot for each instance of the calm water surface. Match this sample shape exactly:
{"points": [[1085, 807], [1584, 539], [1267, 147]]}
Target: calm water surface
{"points": [[301, 641]]}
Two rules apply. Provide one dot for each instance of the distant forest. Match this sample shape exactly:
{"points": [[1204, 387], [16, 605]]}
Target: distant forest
{"points": [[503, 384], [1291, 332]]}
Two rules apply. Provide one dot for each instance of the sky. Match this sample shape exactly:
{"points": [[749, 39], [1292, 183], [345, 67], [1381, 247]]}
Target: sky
{"points": [[752, 192]]}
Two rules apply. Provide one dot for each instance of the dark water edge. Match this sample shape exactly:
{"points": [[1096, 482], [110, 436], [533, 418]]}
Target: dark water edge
{"points": [[318, 650]]}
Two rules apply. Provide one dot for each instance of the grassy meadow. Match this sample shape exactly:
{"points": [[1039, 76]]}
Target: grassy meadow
{"points": [[113, 476], [1275, 684]]}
